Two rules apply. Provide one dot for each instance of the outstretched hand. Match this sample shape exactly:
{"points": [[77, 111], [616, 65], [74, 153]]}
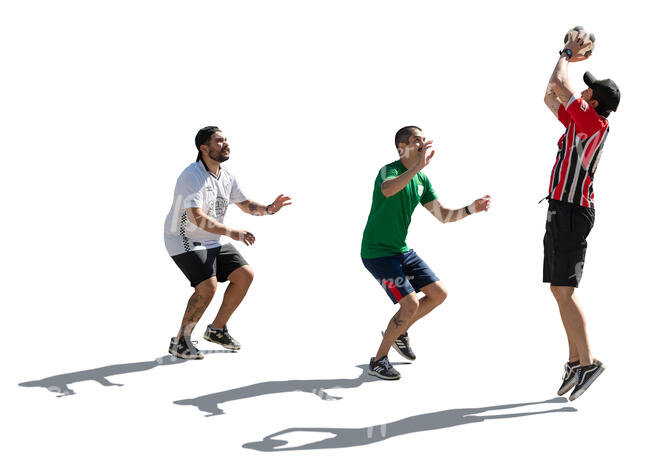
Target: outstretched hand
{"points": [[279, 203], [482, 204], [242, 235]]}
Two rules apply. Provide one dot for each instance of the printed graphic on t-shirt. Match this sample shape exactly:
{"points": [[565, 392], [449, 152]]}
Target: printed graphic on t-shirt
{"points": [[218, 207]]}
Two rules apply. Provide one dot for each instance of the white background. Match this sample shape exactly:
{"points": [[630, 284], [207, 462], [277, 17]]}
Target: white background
{"points": [[100, 105]]}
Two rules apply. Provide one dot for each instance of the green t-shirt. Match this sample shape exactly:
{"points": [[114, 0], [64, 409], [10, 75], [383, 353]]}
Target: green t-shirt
{"points": [[390, 217]]}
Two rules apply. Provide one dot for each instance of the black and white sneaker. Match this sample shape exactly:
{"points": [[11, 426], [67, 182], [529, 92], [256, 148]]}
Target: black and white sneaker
{"points": [[403, 346], [383, 369], [585, 376], [221, 337], [184, 348], [569, 377]]}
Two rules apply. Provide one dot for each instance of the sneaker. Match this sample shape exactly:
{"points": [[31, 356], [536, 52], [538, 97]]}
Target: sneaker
{"points": [[383, 369], [184, 348], [403, 346], [585, 376], [569, 377], [221, 337]]}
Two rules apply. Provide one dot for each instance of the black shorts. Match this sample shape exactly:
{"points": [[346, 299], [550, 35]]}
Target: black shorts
{"points": [[565, 242], [203, 264]]}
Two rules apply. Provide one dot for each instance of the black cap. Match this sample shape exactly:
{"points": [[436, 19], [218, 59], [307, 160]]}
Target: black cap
{"points": [[605, 91], [203, 136]]}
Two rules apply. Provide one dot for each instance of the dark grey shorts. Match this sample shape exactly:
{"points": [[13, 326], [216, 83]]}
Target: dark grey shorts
{"points": [[203, 264]]}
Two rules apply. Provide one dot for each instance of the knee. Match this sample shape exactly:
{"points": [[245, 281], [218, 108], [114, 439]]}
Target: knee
{"points": [[242, 276], [442, 294], [437, 293], [562, 292], [207, 288], [410, 305]]}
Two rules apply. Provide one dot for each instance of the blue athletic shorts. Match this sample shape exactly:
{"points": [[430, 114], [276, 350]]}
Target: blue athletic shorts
{"points": [[401, 274]]}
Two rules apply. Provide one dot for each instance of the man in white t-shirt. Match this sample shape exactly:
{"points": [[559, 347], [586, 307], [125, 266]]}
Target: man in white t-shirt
{"points": [[194, 232]]}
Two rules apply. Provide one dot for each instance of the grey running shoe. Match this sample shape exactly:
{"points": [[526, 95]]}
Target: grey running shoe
{"points": [[569, 377], [403, 346], [221, 337], [383, 369], [585, 376], [184, 348]]}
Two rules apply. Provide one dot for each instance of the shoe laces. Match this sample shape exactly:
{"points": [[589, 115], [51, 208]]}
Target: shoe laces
{"points": [[385, 362], [191, 346], [568, 370]]}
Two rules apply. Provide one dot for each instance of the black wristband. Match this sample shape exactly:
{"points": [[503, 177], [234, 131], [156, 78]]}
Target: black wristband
{"points": [[568, 51], [467, 210], [267, 210]]}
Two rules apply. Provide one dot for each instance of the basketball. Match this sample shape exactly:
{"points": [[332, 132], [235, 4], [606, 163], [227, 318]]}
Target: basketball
{"points": [[588, 47]]}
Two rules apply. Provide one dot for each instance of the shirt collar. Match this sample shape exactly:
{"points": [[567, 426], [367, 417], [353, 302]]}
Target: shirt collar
{"points": [[205, 167]]}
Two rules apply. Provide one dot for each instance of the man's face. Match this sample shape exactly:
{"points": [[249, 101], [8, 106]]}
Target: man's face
{"points": [[217, 147], [416, 142], [587, 95]]}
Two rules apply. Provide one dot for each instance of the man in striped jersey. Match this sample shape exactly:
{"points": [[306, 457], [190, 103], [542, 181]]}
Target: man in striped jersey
{"points": [[571, 210]]}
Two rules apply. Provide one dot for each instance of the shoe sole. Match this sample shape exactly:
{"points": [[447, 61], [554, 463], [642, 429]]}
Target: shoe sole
{"points": [[383, 377], [232, 348], [187, 356], [579, 393], [567, 387]]}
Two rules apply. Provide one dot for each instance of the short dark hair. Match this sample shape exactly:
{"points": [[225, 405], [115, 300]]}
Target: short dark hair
{"points": [[203, 136], [402, 136]]}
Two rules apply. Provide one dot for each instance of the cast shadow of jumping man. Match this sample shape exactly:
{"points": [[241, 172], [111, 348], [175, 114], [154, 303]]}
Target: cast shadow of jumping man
{"points": [[210, 403], [351, 437], [60, 384]]}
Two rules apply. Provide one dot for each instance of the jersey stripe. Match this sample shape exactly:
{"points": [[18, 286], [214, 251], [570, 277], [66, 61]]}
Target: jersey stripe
{"points": [[577, 159]]}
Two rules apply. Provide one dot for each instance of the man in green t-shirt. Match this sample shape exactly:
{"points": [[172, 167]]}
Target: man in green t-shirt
{"points": [[400, 186]]}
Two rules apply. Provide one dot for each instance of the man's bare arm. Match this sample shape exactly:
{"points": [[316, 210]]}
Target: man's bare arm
{"points": [[560, 80], [252, 208], [444, 214], [392, 186], [255, 208], [552, 101], [207, 223]]}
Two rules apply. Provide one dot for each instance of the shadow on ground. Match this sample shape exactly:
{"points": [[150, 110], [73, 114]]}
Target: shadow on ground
{"points": [[352, 437], [210, 403], [60, 384]]}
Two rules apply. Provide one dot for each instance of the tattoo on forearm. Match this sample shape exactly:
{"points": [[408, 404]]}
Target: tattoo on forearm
{"points": [[397, 320]]}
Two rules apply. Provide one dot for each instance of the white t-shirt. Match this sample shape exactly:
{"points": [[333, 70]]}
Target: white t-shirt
{"points": [[198, 187]]}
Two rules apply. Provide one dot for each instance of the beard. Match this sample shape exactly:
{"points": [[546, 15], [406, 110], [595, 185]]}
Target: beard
{"points": [[221, 156]]}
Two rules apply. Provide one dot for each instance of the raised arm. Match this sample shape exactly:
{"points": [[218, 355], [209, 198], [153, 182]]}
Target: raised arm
{"points": [[445, 214], [551, 100], [255, 208], [207, 223], [559, 81], [392, 186]]}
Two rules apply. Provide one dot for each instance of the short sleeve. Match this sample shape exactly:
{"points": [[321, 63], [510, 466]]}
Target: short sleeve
{"points": [[586, 118], [190, 189], [563, 116], [386, 173], [236, 193], [428, 194]]}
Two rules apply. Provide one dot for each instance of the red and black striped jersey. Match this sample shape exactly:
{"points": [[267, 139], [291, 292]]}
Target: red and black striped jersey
{"points": [[579, 151]]}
